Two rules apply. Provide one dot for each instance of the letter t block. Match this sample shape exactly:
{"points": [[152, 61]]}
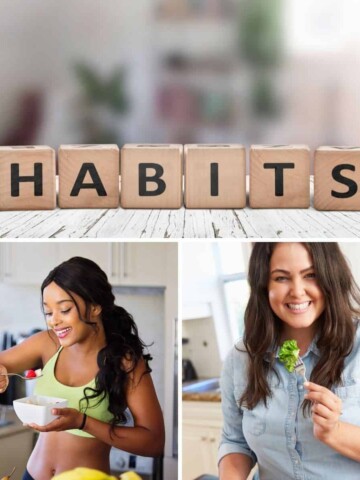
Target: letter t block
{"points": [[89, 176], [279, 176], [151, 176], [27, 178]]}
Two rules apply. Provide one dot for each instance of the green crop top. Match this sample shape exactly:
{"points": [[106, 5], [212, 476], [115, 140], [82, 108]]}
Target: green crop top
{"points": [[49, 385]]}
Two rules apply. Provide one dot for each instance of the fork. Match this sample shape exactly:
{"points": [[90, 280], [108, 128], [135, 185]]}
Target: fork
{"points": [[300, 368], [21, 376]]}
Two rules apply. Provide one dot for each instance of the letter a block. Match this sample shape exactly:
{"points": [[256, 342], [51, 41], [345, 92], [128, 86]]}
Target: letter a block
{"points": [[89, 176], [27, 178], [336, 178], [279, 176], [215, 176], [151, 176]]}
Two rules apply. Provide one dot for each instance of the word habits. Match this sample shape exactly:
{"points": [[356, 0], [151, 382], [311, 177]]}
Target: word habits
{"points": [[153, 176]]}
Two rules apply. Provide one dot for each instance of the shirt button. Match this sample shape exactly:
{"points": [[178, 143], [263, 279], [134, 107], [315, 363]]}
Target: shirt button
{"points": [[301, 387], [294, 438], [296, 462]]}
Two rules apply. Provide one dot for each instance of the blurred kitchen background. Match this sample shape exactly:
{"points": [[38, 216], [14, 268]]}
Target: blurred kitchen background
{"points": [[250, 71], [214, 297], [144, 280]]}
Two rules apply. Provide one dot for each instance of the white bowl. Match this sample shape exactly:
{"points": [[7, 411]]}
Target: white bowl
{"points": [[37, 408]]}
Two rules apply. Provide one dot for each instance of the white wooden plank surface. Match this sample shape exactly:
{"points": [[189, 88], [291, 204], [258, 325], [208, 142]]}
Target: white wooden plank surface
{"points": [[182, 223]]}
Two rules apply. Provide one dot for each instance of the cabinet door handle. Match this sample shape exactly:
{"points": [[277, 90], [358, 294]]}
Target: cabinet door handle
{"points": [[212, 439], [203, 439]]}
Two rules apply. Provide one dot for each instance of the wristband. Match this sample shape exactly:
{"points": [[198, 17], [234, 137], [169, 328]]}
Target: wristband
{"points": [[83, 422]]}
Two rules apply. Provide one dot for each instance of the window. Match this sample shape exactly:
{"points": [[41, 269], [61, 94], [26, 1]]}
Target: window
{"points": [[232, 263]]}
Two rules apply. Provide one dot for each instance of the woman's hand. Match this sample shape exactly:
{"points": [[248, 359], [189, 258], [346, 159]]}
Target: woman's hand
{"points": [[4, 379], [67, 419], [326, 410]]}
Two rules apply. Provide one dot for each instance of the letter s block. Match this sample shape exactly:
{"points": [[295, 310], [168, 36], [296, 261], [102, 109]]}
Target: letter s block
{"points": [[215, 176], [279, 176], [336, 178], [151, 176], [89, 176], [27, 178]]}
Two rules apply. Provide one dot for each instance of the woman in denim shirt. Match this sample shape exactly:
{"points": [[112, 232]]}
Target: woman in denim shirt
{"points": [[292, 428]]}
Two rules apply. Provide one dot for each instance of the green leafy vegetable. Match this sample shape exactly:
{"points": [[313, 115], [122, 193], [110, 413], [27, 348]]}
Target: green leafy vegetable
{"points": [[289, 354]]}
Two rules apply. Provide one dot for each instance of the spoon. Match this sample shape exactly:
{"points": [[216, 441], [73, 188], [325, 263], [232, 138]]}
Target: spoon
{"points": [[21, 376]]}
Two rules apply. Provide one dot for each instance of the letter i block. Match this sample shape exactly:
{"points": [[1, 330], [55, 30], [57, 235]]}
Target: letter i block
{"points": [[336, 178], [151, 176], [27, 178], [89, 176], [279, 176], [215, 176]]}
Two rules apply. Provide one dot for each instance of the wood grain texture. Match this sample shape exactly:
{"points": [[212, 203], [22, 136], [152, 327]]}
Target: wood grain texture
{"points": [[167, 158], [26, 160], [183, 223], [104, 163], [329, 193], [296, 184], [229, 178]]}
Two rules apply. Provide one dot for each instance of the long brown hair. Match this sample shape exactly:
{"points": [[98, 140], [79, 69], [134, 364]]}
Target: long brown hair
{"points": [[336, 325]]}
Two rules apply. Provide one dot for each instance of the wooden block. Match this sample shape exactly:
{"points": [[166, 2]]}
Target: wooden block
{"points": [[215, 176], [27, 178], [89, 176], [279, 176], [151, 176], [336, 178]]}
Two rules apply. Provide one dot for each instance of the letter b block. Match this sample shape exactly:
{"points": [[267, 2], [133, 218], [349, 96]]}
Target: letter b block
{"points": [[89, 176], [27, 178], [151, 176], [279, 176], [336, 178], [215, 176]]}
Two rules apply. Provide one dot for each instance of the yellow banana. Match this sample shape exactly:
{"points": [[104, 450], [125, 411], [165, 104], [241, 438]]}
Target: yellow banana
{"points": [[130, 476], [82, 473]]}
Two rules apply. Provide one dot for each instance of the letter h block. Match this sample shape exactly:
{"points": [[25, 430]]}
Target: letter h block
{"points": [[336, 178], [89, 176], [151, 176], [279, 176], [215, 176], [27, 178]]}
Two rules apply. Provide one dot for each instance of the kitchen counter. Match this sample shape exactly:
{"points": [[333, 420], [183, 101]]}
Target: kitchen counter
{"points": [[202, 390], [16, 443], [212, 396]]}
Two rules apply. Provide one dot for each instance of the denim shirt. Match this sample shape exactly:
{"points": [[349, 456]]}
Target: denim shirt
{"points": [[278, 436]]}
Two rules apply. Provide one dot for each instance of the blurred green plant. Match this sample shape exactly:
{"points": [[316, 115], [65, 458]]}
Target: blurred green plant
{"points": [[104, 97], [262, 48], [261, 32]]}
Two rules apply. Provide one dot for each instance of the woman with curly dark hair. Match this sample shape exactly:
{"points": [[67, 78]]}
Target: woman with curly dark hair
{"points": [[295, 426], [92, 356]]}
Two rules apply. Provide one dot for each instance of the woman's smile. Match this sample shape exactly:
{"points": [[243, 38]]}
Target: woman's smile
{"points": [[62, 332], [298, 308]]}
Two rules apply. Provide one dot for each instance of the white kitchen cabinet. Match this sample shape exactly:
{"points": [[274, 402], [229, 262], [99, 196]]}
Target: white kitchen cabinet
{"points": [[140, 264], [27, 263], [202, 424], [125, 263]]}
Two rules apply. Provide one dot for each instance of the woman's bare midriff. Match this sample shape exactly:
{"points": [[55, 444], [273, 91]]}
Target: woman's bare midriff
{"points": [[56, 452]]}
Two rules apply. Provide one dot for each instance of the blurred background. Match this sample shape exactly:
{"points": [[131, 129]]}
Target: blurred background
{"points": [[249, 71]]}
